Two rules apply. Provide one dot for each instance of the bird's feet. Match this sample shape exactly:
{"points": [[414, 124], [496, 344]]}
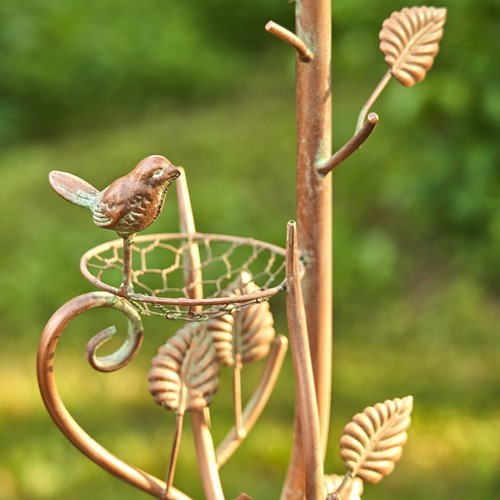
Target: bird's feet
{"points": [[125, 289]]}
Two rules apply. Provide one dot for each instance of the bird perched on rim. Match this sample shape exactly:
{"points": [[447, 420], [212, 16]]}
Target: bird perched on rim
{"points": [[128, 205]]}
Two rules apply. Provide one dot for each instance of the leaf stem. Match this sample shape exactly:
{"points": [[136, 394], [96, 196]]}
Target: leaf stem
{"points": [[174, 453], [257, 402], [343, 483], [238, 421], [373, 97]]}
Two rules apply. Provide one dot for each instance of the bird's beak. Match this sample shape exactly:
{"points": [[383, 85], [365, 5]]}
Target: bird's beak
{"points": [[174, 174]]}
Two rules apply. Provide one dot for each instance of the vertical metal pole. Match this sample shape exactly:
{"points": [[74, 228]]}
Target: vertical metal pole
{"points": [[314, 193], [314, 212]]}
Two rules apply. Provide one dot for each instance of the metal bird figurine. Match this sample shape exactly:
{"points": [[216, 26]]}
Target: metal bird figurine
{"points": [[128, 205]]}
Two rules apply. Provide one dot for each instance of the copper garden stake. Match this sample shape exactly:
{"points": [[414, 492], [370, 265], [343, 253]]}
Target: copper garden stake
{"points": [[218, 286]]}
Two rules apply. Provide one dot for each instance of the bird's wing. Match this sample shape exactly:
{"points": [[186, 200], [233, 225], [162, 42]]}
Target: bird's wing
{"points": [[73, 189], [112, 206]]}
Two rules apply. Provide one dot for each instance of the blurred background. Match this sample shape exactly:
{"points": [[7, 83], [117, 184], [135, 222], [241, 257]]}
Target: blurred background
{"points": [[92, 87]]}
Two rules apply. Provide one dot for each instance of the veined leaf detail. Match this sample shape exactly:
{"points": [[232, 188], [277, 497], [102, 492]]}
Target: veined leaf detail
{"points": [[373, 441], [248, 332], [184, 373], [409, 40]]}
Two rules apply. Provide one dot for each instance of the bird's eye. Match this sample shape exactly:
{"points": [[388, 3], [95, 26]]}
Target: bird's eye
{"points": [[158, 173]]}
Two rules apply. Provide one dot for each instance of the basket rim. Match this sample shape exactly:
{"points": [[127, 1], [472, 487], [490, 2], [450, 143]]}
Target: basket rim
{"points": [[183, 301]]}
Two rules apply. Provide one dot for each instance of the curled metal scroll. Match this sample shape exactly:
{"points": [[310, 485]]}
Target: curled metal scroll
{"points": [[48, 389], [132, 343]]}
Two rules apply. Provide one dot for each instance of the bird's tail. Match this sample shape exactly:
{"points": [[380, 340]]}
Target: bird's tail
{"points": [[73, 189]]}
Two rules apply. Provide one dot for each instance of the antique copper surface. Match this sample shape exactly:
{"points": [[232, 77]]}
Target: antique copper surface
{"points": [[219, 285], [128, 205], [312, 454]]}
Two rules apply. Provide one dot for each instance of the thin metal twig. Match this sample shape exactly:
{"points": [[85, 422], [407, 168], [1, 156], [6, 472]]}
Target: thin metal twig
{"points": [[351, 146], [373, 97], [238, 420], [292, 39], [174, 453], [257, 402]]}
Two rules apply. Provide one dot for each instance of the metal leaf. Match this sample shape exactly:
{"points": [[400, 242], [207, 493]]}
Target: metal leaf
{"points": [[373, 441], [409, 40], [248, 332], [184, 373]]}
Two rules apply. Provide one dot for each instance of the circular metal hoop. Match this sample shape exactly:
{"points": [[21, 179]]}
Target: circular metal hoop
{"points": [[192, 276]]}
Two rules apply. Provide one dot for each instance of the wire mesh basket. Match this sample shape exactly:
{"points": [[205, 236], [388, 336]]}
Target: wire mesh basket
{"points": [[192, 276]]}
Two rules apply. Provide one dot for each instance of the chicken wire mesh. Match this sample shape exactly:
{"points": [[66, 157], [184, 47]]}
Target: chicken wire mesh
{"points": [[189, 276]]}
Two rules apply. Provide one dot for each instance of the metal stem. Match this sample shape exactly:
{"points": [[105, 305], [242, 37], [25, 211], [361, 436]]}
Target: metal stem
{"points": [[238, 421], [257, 402], [205, 452], [314, 212], [174, 453], [191, 258], [302, 366], [373, 97], [126, 287]]}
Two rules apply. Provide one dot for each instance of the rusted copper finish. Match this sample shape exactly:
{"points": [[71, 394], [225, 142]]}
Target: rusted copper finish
{"points": [[314, 214], [304, 381], [314, 195], [62, 418], [198, 277], [128, 205]]}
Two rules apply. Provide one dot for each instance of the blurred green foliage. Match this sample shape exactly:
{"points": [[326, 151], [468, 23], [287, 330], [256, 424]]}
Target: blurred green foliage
{"points": [[91, 87]]}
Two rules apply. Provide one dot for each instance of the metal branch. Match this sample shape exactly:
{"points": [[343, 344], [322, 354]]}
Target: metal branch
{"points": [[301, 356], [257, 402], [205, 452], [314, 215], [191, 258], [292, 39], [351, 146]]}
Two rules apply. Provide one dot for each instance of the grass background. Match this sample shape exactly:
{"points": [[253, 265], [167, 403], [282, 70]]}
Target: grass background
{"points": [[93, 87]]}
